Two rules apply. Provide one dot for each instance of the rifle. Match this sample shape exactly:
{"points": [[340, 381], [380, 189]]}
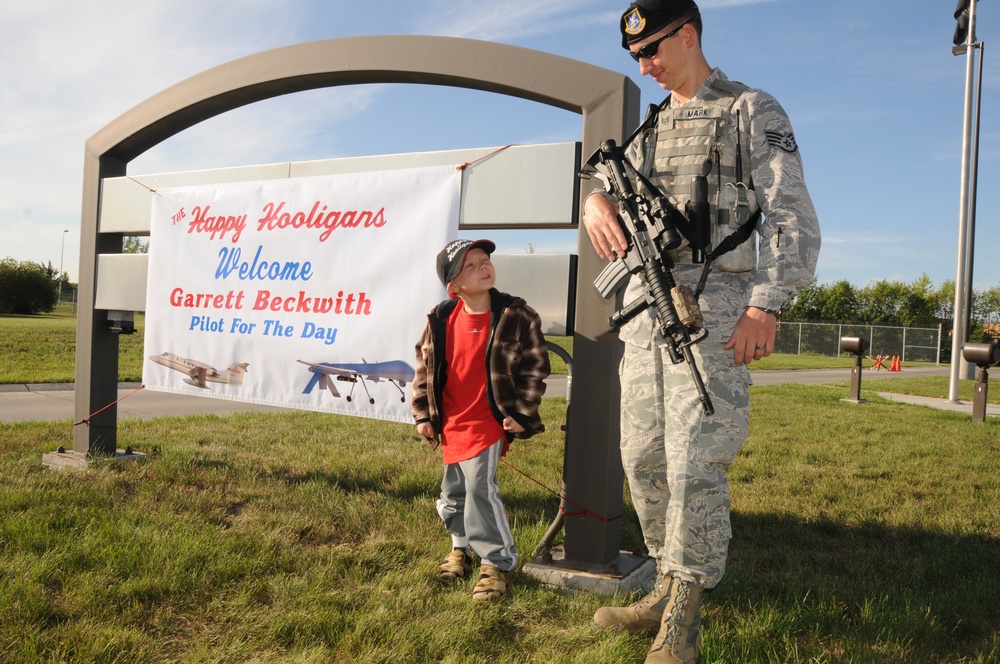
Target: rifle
{"points": [[650, 223]]}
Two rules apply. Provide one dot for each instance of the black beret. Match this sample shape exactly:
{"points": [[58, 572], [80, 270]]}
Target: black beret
{"points": [[647, 17]]}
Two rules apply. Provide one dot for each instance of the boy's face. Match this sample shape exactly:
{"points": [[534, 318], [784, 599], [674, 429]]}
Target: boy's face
{"points": [[477, 276]]}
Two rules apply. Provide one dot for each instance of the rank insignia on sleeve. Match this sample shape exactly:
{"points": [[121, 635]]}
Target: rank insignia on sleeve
{"points": [[781, 140]]}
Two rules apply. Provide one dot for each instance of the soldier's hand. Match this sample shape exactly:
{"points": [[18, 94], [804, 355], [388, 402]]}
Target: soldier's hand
{"points": [[600, 218], [753, 337]]}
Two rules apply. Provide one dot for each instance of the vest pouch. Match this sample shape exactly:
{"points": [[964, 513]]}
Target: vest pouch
{"points": [[736, 204]]}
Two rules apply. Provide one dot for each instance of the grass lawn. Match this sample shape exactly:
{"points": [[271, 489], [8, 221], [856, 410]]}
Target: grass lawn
{"points": [[42, 349], [861, 535]]}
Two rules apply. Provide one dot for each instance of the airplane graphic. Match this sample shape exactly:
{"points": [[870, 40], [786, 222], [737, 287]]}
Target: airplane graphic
{"points": [[199, 373], [395, 372]]}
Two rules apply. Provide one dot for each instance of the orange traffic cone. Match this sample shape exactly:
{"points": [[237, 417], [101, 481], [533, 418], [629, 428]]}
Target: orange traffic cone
{"points": [[894, 365]]}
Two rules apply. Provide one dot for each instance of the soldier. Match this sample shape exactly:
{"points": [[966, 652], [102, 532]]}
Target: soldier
{"points": [[716, 149]]}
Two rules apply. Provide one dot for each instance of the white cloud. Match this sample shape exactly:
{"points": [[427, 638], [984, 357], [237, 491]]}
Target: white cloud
{"points": [[79, 65], [511, 20], [722, 4]]}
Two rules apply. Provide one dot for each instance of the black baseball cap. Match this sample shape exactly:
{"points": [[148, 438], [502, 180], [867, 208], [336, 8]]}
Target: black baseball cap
{"points": [[645, 18], [452, 257]]}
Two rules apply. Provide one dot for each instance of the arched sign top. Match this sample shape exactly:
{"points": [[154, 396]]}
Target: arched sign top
{"points": [[500, 68]]}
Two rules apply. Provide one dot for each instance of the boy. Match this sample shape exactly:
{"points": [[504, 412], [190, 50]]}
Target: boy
{"points": [[481, 363]]}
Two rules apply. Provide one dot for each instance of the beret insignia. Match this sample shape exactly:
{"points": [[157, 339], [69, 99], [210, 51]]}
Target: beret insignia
{"points": [[634, 22]]}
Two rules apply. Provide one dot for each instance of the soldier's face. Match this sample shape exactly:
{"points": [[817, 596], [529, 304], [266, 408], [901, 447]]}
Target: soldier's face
{"points": [[662, 65]]}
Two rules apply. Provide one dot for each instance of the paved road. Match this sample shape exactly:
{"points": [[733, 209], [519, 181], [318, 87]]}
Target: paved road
{"points": [[45, 402]]}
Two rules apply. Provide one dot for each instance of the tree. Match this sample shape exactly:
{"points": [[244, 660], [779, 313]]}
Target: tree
{"points": [[944, 296], [893, 303], [881, 302], [840, 303], [26, 287], [133, 244], [806, 306], [989, 302]]}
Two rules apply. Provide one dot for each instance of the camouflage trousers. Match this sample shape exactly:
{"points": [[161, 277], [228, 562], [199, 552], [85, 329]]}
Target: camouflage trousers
{"points": [[675, 457]]}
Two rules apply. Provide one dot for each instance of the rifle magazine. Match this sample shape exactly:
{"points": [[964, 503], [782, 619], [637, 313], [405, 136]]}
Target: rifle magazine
{"points": [[612, 278]]}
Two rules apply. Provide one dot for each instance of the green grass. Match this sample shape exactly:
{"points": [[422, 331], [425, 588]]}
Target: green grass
{"points": [[789, 362], [930, 386], [42, 349], [862, 534]]}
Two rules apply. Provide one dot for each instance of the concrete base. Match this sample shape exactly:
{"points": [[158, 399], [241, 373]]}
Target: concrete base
{"points": [[855, 400], [626, 574], [72, 460]]}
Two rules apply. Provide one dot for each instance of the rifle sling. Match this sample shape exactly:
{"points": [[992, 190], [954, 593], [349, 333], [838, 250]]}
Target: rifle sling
{"points": [[733, 240]]}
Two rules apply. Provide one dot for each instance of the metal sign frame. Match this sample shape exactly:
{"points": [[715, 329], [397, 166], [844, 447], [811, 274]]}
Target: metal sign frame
{"points": [[609, 104]]}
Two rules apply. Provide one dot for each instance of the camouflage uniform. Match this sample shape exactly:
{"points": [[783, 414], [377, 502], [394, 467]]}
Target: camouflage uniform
{"points": [[675, 457]]}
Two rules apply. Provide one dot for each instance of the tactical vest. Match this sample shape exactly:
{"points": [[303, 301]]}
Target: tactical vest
{"points": [[683, 149]]}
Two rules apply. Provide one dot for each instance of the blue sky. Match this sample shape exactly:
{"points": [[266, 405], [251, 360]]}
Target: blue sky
{"points": [[874, 92]]}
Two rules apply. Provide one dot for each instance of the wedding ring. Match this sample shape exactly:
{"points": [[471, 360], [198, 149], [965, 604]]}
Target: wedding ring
{"points": [[761, 347]]}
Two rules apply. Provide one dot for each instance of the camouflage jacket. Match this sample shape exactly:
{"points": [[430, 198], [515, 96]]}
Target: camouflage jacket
{"points": [[789, 234]]}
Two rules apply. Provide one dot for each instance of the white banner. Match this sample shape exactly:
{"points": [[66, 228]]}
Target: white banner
{"points": [[307, 293]]}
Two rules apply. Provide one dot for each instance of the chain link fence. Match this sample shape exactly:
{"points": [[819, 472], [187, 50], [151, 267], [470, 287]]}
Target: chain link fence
{"points": [[911, 344], [67, 301]]}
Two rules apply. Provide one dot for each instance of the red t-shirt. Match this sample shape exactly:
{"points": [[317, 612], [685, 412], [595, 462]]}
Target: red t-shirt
{"points": [[469, 426]]}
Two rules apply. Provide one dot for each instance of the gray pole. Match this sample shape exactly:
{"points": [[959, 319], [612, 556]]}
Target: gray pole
{"points": [[62, 254], [959, 323], [968, 371]]}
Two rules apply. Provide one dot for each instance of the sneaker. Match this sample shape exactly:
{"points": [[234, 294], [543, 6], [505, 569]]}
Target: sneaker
{"points": [[456, 566], [492, 584]]}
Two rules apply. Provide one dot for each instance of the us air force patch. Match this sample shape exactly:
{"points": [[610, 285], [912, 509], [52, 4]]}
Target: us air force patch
{"points": [[634, 22], [781, 140]]}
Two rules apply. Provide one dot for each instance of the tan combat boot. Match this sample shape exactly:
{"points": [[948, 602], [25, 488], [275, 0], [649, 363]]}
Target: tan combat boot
{"points": [[643, 616], [679, 637]]}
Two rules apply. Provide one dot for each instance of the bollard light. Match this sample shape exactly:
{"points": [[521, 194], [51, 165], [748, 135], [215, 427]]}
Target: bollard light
{"points": [[858, 346], [982, 355]]}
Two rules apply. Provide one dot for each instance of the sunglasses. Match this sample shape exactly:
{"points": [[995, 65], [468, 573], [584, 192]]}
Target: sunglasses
{"points": [[649, 50]]}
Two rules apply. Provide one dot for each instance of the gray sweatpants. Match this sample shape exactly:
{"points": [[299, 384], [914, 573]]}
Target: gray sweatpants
{"points": [[470, 507]]}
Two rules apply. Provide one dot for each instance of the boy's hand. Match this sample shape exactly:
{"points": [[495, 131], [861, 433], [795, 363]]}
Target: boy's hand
{"points": [[426, 429], [511, 425]]}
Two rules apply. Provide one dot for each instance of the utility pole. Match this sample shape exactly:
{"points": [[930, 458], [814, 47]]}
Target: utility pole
{"points": [[965, 42], [62, 253]]}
